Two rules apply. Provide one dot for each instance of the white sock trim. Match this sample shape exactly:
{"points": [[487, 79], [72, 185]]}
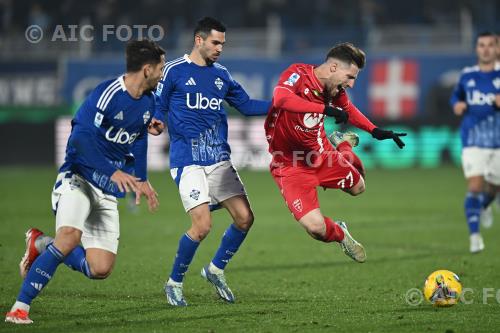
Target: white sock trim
{"points": [[20, 305], [214, 269], [174, 283]]}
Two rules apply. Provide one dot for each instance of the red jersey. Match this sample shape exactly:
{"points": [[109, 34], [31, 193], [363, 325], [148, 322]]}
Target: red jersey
{"points": [[294, 124]]}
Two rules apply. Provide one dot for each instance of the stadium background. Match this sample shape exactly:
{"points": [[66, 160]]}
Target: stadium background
{"points": [[410, 217]]}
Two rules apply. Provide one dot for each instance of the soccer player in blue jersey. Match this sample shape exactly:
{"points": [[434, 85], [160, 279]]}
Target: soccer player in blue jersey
{"points": [[476, 99], [105, 157], [191, 93]]}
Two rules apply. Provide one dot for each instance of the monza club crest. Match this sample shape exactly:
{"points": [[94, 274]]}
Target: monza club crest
{"points": [[297, 204]]}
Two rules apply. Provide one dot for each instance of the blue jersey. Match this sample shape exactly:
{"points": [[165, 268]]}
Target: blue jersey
{"points": [[480, 125], [190, 98], [109, 132]]}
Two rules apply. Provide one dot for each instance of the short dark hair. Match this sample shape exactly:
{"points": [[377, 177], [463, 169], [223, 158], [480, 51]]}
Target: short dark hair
{"points": [[486, 34], [205, 25], [141, 52], [348, 53]]}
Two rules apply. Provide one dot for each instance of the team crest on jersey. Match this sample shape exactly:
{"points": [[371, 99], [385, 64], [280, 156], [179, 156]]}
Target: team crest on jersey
{"points": [[195, 194], [146, 117], [98, 119], [496, 83], [297, 204], [292, 79], [219, 83], [471, 83], [312, 119]]}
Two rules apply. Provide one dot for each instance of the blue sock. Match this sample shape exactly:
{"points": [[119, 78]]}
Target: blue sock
{"points": [[40, 273], [486, 199], [77, 261], [472, 206], [230, 243], [184, 256]]}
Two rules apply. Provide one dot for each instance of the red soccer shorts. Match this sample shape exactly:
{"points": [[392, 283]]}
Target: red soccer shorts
{"points": [[298, 183]]}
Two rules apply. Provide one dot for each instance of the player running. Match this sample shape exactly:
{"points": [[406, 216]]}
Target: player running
{"points": [[105, 157], [476, 99], [191, 93], [303, 158]]}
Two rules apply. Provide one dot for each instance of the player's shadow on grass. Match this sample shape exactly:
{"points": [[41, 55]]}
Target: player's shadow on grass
{"points": [[328, 264]]}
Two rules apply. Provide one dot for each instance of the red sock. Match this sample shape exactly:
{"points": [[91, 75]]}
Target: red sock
{"points": [[333, 232], [346, 150]]}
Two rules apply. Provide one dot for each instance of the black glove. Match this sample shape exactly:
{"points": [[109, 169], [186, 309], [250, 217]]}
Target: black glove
{"points": [[338, 113], [381, 134]]}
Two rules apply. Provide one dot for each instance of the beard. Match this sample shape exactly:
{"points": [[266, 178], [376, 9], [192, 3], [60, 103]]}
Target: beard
{"points": [[331, 91]]}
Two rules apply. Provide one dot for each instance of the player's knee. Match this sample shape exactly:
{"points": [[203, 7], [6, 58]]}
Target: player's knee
{"points": [[244, 221], [67, 238], [200, 230], [100, 271]]}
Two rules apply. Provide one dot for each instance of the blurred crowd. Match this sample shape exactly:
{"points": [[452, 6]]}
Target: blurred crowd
{"points": [[313, 14]]}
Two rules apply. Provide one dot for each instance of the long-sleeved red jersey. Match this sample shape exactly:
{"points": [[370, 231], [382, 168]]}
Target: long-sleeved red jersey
{"points": [[294, 124]]}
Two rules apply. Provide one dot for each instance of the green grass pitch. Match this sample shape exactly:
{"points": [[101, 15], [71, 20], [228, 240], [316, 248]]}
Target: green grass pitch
{"points": [[410, 221]]}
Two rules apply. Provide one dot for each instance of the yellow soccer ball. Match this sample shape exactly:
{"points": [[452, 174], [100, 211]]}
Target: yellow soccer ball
{"points": [[443, 288]]}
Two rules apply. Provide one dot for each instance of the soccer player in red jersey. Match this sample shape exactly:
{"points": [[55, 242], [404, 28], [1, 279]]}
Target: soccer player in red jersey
{"points": [[303, 158]]}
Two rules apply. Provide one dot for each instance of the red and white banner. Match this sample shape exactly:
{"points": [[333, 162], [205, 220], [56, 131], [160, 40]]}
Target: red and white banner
{"points": [[394, 90]]}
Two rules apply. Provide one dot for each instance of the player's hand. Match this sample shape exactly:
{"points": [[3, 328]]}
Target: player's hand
{"points": [[338, 113], [156, 127], [125, 182], [497, 101], [145, 188], [381, 134], [459, 108]]}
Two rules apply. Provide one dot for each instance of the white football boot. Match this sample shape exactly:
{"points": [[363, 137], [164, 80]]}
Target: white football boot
{"points": [[476, 243]]}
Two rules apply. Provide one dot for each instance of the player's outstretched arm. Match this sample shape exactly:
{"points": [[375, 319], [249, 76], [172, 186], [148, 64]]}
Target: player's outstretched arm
{"points": [[254, 107], [381, 134], [287, 100]]}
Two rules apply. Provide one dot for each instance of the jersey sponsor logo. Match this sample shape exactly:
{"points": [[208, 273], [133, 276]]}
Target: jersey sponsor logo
{"points": [[219, 83], [98, 119], [496, 83], [476, 97], [191, 82], [312, 119], [146, 116], [202, 103], [292, 79], [121, 136], [302, 129], [119, 116]]}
